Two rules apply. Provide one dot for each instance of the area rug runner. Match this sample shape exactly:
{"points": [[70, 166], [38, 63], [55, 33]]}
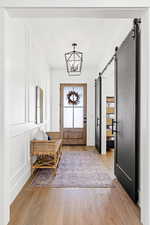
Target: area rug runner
{"points": [[83, 169]]}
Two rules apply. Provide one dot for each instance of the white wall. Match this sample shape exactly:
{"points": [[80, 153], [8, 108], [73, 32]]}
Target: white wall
{"points": [[107, 90], [145, 120], [25, 68], [61, 76], [4, 182]]}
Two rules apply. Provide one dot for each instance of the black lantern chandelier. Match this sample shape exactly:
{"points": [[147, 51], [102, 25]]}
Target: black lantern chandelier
{"points": [[74, 61]]}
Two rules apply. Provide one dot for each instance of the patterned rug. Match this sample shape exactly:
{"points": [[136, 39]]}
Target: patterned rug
{"points": [[76, 169]]}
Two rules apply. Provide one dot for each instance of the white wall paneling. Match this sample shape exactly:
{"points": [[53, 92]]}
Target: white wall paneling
{"points": [[32, 103], [4, 157], [25, 68]]}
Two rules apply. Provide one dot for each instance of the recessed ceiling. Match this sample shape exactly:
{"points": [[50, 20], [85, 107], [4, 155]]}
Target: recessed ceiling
{"points": [[96, 38]]}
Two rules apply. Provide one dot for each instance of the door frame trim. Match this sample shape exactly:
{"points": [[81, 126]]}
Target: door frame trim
{"points": [[62, 85]]}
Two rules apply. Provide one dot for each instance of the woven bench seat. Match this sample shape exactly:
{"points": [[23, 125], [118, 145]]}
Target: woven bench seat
{"points": [[47, 148]]}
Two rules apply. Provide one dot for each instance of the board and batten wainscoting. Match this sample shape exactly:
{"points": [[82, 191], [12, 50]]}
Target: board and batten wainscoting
{"points": [[25, 70]]}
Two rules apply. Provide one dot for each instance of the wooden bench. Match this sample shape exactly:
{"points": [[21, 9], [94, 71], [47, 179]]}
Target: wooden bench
{"points": [[47, 152]]}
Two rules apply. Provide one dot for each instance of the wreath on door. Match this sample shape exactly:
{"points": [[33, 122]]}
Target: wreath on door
{"points": [[73, 98]]}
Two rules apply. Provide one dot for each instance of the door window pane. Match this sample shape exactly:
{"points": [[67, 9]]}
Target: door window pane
{"points": [[66, 92], [78, 117], [79, 91], [68, 117], [73, 106]]}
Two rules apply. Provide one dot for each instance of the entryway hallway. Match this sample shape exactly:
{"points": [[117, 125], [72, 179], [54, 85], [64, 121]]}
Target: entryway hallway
{"points": [[75, 206], [33, 66]]}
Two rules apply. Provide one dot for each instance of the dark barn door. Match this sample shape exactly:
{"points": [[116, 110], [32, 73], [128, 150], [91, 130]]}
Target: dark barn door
{"points": [[98, 114], [127, 112]]}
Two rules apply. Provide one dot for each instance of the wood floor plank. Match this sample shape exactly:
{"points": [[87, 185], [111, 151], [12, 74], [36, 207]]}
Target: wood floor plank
{"points": [[75, 206]]}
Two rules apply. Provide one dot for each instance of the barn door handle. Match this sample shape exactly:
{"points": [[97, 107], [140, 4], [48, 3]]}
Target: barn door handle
{"points": [[114, 122], [98, 122]]}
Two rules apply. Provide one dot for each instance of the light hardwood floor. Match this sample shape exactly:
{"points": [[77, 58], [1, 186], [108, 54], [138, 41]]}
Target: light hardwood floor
{"points": [[75, 206]]}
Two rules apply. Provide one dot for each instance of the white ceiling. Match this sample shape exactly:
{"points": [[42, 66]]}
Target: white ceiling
{"points": [[88, 12], [96, 38]]}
